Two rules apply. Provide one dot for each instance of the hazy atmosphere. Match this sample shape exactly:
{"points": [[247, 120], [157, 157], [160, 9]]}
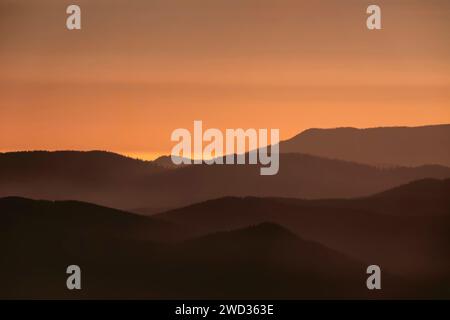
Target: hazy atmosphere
{"points": [[139, 69]]}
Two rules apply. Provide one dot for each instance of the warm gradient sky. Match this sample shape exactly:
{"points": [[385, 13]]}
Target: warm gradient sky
{"points": [[139, 69]]}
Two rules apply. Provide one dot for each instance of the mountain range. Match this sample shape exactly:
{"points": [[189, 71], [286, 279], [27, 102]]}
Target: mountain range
{"points": [[383, 146], [148, 229], [382, 227], [112, 180], [224, 248]]}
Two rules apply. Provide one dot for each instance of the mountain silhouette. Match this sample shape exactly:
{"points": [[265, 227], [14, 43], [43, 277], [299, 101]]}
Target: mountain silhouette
{"points": [[42, 217], [269, 261], [115, 181], [120, 258], [400, 146], [427, 197], [380, 228], [96, 176]]}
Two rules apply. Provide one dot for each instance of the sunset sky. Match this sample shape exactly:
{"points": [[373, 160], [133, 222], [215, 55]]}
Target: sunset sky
{"points": [[139, 69]]}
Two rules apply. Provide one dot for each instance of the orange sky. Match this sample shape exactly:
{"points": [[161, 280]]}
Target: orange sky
{"points": [[139, 69]]}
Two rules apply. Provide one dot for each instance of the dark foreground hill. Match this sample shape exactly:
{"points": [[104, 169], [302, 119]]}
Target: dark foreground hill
{"points": [[122, 256], [401, 146], [268, 261], [406, 229], [115, 181]]}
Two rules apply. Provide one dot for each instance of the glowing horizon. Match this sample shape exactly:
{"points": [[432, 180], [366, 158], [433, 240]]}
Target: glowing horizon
{"points": [[135, 73]]}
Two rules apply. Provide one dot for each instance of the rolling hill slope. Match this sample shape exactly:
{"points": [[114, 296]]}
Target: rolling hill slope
{"points": [[381, 228], [115, 181], [119, 258]]}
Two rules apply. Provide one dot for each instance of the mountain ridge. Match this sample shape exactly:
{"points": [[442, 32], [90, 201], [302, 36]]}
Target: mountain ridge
{"points": [[368, 228], [126, 183], [219, 265], [380, 146]]}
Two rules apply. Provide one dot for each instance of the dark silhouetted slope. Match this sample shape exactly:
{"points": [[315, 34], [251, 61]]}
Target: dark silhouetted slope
{"points": [[44, 217], [39, 239], [268, 261], [127, 184], [426, 197], [96, 176], [120, 258], [405, 235]]}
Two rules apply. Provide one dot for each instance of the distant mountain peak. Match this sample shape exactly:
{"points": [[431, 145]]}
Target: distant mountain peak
{"points": [[385, 146]]}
